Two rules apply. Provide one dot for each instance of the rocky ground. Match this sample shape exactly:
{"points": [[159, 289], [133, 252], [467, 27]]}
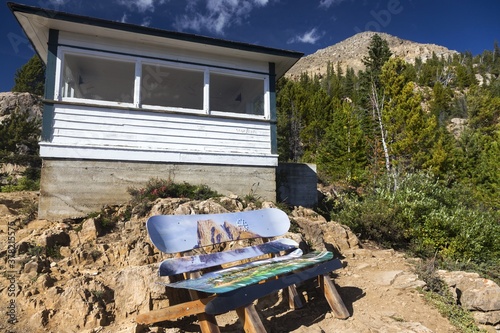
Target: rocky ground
{"points": [[78, 276]]}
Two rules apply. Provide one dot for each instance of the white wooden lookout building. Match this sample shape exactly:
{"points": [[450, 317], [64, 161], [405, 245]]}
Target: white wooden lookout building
{"points": [[126, 103]]}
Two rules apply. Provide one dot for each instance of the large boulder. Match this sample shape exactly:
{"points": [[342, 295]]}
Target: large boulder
{"points": [[474, 293], [321, 234]]}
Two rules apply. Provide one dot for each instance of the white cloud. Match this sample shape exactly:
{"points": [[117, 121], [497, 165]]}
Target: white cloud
{"points": [[124, 18], [329, 3], [53, 4], [141, 5], [146, 21], [309, 37], [58, 2], [217, 15]]}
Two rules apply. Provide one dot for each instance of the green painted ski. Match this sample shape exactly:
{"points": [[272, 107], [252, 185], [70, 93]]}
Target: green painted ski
{"points": [[246, 295], [229, 279]]}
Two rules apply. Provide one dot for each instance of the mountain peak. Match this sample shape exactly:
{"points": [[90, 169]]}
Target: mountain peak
{"points": [[350, 52]]}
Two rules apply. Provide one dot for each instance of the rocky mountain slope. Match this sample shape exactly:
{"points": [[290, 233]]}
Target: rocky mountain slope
{"points": [[351, 51], [77, 276]]}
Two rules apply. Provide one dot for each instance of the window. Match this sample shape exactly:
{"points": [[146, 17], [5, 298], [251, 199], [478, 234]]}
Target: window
{"points": [[174, 87], [100, 79], [236, 94]]}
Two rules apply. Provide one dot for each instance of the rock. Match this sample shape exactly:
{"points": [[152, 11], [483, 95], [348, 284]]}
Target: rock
{"points": [[44, 282], [24, 102], [54, 237], [321, 234], [457, 126], [90, 231], [483, 298], [487, 318], [385, 278], [472, 291], [165, 206], [408, 280], [210, 207], [4, 210], [135, 289], [35, 266]]}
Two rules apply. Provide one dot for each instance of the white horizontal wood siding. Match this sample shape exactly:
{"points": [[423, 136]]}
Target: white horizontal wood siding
{"points": [[102, 133]]}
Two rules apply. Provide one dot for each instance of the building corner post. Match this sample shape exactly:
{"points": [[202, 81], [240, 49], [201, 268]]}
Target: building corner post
{"points": [[50, 83]]}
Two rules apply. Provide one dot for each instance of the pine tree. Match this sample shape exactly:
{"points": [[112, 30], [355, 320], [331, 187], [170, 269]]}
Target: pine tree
{"points": [[342, 153], [378, 54], [410, 132], [30, 77], [19, 142], [440, 102], [289, 102]]}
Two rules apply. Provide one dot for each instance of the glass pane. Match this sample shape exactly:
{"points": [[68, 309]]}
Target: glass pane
{"points": [[166, 86], [236, 94], [98, 79]]}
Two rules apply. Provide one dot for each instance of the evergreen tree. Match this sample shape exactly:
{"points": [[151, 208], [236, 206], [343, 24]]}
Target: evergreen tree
{"points": [[317, 116], [19, 142], [495, 66], [483, 111], [289, 102], [378, 54], [342, 153], [440, 102], [30, 77], [410, 132]]}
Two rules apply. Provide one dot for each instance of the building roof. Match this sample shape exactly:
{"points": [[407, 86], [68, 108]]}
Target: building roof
{"points": [[36, 23]]}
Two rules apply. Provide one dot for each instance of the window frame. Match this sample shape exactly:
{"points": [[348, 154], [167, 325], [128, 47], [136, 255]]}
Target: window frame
{"points": [[139, 61], [58, 92]]}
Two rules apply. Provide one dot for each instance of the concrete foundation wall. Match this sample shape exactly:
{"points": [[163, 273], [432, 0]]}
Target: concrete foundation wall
{"points": [[297, 184], [74, 188]]}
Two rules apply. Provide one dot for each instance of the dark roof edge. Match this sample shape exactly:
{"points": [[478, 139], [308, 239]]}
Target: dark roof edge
{"points": [[62, 16]]}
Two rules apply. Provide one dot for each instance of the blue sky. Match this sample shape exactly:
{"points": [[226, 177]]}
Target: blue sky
{"points": [[305, 25]]}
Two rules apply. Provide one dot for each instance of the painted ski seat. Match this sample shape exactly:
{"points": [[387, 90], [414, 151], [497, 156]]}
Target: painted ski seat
{"points": [[251, 272]]}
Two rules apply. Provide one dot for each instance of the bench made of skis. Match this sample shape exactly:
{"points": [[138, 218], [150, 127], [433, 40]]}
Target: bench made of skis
{"points": [[236, 287]]}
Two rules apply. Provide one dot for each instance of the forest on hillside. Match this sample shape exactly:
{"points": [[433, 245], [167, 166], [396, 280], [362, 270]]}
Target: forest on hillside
{"points": [[382, 141]]}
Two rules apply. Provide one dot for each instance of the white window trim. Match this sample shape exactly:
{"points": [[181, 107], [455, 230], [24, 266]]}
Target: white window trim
{"points": [[138, 61]]}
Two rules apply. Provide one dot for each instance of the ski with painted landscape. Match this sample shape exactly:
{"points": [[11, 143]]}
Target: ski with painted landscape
{"points": [[232, 278], [246, 295], [198, 262]]}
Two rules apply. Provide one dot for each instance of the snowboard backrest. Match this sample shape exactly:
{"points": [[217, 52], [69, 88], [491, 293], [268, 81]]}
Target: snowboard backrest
{"points": [[180, 233]]}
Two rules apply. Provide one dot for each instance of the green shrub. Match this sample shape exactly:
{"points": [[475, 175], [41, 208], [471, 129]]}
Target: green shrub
{"points": [[22, 184], [165, 188], [427, 218], [458, 316], [109, 216]]}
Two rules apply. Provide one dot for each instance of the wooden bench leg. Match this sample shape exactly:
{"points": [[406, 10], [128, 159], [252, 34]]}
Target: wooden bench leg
{"points": [[208, 324], [294, 298], [250, 319], [333, 297]]}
